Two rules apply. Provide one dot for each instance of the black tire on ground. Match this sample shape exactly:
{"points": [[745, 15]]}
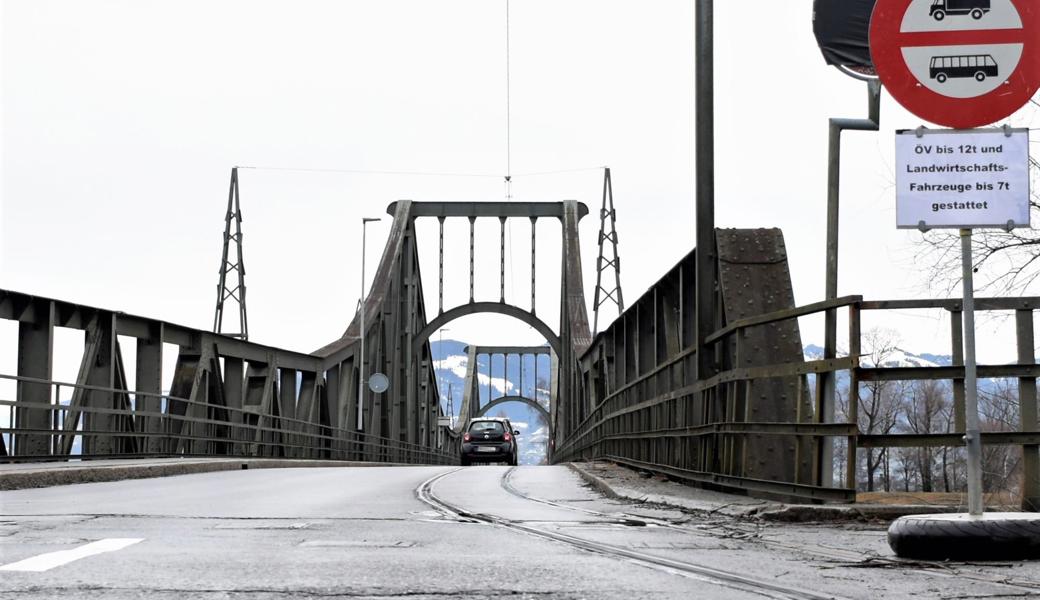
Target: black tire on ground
{"points": [[994, 536], [465, 461]]}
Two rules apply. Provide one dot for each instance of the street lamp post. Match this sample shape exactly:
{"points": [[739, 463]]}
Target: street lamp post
{"points": [[361, 361], [450, 407]]}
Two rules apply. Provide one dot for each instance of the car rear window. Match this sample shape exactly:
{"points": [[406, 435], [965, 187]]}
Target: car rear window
{"points": [[485, 427]]}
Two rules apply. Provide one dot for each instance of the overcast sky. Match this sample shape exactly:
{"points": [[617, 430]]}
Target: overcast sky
{"points": [[122, 119]]}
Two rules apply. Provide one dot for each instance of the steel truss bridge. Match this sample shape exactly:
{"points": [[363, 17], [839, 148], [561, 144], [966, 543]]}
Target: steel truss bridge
{"points": [[733, 412]]}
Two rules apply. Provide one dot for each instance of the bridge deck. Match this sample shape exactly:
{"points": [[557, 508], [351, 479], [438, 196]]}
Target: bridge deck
{"points": [[475, 532]]}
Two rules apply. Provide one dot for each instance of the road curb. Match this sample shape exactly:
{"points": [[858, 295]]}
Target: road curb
{"points": [[769, 511], [597, 483], [625, 493], [54, 474], [817, 513]]}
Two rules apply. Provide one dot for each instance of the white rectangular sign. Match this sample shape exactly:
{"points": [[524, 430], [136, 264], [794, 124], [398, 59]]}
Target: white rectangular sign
{"points": [[962, 178], [444, 421]]}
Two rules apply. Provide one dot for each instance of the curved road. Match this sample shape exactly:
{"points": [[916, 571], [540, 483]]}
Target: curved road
{"points": [[424, 532]]}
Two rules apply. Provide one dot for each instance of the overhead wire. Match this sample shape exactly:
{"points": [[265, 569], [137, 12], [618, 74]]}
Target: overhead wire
{"points": [[366, 171], [538, 173], [413, 173]]}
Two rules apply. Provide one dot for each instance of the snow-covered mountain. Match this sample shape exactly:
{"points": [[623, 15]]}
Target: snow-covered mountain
{"points": [[897, 357]]}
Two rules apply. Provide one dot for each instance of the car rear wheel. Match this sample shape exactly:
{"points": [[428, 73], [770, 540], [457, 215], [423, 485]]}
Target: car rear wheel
{"points": [[465, 461]]}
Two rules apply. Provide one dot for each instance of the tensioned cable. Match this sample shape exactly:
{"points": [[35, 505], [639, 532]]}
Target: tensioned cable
{"points": [[365, 172], [410, 173], [600, 168]]}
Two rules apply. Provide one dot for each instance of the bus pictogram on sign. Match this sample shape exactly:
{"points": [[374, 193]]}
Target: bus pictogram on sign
{"points": [[960, 63], [979, 66]]}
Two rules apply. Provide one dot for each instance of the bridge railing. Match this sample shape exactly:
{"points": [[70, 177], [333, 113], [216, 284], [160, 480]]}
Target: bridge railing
{"points": [[183, 427], [224, 396], [704, 431], [1024, 371]]}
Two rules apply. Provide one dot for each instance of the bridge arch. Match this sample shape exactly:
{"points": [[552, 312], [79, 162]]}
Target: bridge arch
{"points": [[522, 399], [487, 307]]}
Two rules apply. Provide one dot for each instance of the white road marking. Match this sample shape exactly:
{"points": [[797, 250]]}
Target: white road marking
{"points": [[45, 562]]}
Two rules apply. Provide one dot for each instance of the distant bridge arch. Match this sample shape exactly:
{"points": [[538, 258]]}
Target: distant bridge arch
{"points": [[523, 400]]}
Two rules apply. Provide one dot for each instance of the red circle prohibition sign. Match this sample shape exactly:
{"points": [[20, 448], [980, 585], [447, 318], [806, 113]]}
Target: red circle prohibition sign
{"points": [[958, 63]]}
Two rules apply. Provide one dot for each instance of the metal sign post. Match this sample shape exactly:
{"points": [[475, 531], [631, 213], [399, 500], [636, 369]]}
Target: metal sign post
{"points": [[972, 437], [961, 64], [964, 179]]}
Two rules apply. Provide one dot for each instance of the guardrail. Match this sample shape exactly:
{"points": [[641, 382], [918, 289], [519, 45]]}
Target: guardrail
{"points": [[182, 427], [667, 422], [224, 396]]}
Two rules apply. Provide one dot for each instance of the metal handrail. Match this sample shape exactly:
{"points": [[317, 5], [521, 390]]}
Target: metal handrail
{"points": [[291, 431], [624, 416]]}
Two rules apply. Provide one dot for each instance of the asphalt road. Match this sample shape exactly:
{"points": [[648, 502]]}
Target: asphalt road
{"points": [[418, 532]]}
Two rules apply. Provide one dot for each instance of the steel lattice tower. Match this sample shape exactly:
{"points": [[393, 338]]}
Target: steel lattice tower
{"points": [[602, 294], [237, 293]]}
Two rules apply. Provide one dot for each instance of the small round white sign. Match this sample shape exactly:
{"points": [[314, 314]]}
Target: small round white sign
{"points": [[378, 383]]}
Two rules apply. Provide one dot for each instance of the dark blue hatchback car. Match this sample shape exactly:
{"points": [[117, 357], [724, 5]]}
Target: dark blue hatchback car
{"points": [[489, 439]]}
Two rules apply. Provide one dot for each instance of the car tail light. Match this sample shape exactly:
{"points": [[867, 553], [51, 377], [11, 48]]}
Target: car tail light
{"points": [[508, 437], [465, 437]]}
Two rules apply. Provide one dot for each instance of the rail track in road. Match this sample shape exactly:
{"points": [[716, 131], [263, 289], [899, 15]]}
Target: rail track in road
{"points": [[706, 574], [850, 557]]}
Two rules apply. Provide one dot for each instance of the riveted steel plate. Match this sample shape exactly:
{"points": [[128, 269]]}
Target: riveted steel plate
{"points": [[754, 279]]}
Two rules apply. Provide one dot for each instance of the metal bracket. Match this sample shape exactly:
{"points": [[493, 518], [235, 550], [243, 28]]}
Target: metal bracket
{"points": [[923, 227]]}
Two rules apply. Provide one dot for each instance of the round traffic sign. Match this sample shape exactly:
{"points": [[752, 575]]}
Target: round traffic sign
{"points": [[378, 383], [959, 63]]}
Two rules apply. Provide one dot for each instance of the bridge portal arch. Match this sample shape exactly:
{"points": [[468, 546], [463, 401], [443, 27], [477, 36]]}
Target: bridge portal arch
{"points": [[473, 308], [396, 333]]}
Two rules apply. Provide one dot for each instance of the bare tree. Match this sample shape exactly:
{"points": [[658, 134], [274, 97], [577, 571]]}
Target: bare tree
{"points": [[951, 459], [998, 411], [841, 416], [879, 403], [924, 410], [907, 467]]}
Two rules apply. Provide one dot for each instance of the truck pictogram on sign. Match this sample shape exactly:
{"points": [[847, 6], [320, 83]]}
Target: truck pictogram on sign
{"points": [[976, 9]]}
